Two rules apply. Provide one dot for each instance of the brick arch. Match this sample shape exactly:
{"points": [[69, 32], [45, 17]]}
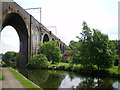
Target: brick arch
{"points": [[16, 21]]}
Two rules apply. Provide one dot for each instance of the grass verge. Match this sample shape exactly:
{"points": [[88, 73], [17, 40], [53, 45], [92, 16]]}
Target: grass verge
{"points": [[114, 71], [24, 81], [2, 77], [111, 72]]}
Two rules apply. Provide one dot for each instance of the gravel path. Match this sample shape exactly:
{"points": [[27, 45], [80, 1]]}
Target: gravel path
{"points": [[10, 81]]}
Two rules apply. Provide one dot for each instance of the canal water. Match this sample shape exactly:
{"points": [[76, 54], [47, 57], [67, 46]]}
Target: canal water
{"points": [[64, 79]]}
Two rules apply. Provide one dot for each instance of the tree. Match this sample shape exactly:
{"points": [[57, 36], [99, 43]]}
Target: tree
{"points": [[95, 48], [103, 50], [11, 58], [8, 57], [52, 51], [74, 52], [40, 47], [85, 46], [38, 61], [72, 45], [17, 59]]}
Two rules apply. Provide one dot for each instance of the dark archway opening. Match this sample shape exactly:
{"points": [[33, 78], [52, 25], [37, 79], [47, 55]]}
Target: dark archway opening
{"points": [[45, 38], [16, 21], [53, 39]]}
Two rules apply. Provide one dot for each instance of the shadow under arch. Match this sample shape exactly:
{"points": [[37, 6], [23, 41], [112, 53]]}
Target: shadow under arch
{"points": [[16, 21], [46, 38], [53, 39]]}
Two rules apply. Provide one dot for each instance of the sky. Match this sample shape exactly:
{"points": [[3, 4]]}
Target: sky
{"points": [[67, 16]]}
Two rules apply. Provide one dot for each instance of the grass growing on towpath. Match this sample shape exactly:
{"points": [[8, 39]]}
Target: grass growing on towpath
{"points": [[2, 77]]}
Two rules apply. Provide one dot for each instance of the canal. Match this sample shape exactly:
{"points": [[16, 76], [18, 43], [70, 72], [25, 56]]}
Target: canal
{"points": [[64, 79]]}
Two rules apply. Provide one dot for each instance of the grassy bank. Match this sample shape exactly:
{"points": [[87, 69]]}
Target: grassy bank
{"points": [[2, 77], [111, 72], [114, 71], [24, 81]]}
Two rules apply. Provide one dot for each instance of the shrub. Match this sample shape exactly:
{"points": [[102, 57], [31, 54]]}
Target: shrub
{"points": [[76, 68], [51, 50], [38, 61], [17, 58], [52, 66], [11, 58]]}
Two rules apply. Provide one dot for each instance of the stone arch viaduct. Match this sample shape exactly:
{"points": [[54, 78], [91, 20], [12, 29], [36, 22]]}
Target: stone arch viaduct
{"points": [[29, 30]]}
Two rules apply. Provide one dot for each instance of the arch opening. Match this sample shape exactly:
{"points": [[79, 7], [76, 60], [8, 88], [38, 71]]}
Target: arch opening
{"points": [[53, 39], [16, 21], [45, 38], [9, 40]]}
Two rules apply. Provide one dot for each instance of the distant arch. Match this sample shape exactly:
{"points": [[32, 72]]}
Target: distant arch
{"points": [[46, 38], [53, 39]]}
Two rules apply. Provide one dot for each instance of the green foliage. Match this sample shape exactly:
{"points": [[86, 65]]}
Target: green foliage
{"points": [[72, 45], [17, 58], [51, 50], [38, 61], [65, 66], [89, 70], [11, 58], [69, 60], [2, 77], [114, 70], [93, 48], [103, 50], [116, 42], [8, 57], [74, 52], [40, 47], [85, 46]]}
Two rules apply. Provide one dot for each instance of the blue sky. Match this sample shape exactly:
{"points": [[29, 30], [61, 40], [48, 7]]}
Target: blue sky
{"points": [[67, 16]]}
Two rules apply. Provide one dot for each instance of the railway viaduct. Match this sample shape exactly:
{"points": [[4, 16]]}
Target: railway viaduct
{"points": [[29, 30]]}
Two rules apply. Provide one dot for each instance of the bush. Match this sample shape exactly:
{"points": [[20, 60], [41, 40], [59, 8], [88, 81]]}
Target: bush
{"points": [[52, 66], [17, 58], [11, 58], [51, 50], [76, 68], [38, 61]]}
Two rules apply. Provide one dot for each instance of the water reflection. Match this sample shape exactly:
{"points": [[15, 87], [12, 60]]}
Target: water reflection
{"points": [[63, 79]]}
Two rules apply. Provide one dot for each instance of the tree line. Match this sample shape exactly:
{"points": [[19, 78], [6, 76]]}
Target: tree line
{"points": [[92, 50]]}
